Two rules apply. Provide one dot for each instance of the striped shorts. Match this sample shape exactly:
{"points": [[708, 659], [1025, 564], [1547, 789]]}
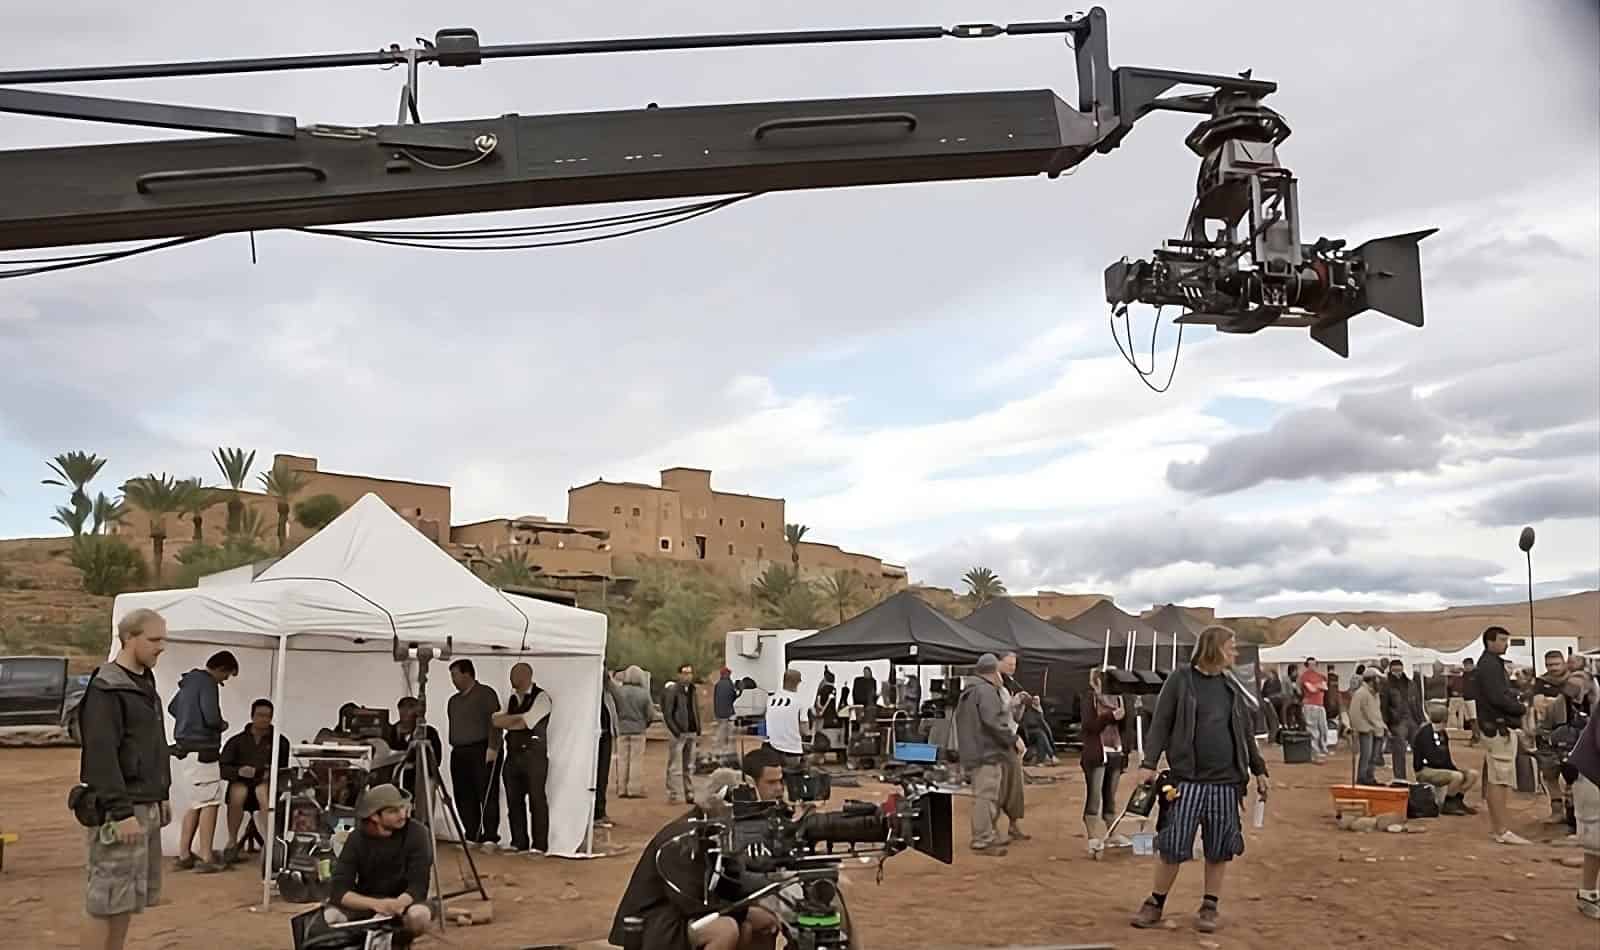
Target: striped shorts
{"points": [[1209, 809]]}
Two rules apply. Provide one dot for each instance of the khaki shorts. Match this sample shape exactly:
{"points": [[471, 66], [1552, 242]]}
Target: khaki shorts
{"points": [[1500, 759], [1586, 805], [125, 878], [204, 782]]}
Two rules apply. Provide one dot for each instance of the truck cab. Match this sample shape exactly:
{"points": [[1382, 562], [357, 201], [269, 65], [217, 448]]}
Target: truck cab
{"points": [[40, 691]]}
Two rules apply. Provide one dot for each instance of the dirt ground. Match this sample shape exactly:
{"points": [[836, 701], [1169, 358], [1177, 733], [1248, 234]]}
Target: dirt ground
{"points": [[1302, 882]]}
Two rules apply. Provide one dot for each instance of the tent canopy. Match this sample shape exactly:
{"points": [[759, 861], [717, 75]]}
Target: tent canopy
{"points": [[331, 609], [1338, 644], [1033, 638], [904, 629], [1093, 624], [1174, 619]]}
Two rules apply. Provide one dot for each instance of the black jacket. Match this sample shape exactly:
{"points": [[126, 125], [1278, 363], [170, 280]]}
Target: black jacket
{"points": [[1398, 701], [680, 710], [1499, 707], [1430, 749], [1172, 727], [666, 908], [124, 757], [245, 749]]}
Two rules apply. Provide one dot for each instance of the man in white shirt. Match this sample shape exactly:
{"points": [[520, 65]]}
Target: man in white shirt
{"points": [[526, 722], [785, 716]]}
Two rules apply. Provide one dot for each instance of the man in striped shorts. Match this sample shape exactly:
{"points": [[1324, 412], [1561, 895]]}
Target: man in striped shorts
{"points": [[1202, 725]]}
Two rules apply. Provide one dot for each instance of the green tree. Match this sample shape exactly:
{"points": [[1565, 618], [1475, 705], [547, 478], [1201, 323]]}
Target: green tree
{"points": [[843, 589], [73, 519], [76, 469], [798, 609], [983, 585], [252, 525], [793, 534], [774, 583], [107, 512], [197, 560], [283, 483], [510, 568], [157, 496], [197, 500], [316, 512], [235, 465], [108, 565]]}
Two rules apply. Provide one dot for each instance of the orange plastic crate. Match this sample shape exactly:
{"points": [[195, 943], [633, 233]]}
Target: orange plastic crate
{"points": [[1380, 800]]}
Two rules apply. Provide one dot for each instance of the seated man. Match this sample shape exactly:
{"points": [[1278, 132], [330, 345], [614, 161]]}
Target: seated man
{"points": [[668, 887], [1430, 752], [247, 764], [384, 867]]}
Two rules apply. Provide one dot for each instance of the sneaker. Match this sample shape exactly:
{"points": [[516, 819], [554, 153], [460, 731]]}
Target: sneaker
{"points": [[230, 855], [1511, 837], [208, 867], [1205, 919], [1589, 904], [989, 851], [490, 847], [1017, 834], [604, 823], [1149, 915], [1119, 841], [185, 863]]}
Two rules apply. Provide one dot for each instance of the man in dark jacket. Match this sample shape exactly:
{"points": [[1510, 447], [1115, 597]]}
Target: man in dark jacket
{"points": [[1202, 726], [197, 728], [124, 764], [1399, 715], [1435, 766], [723, 696], [247, 765], [680, 710], [384, 866], [983, 733], [1500, 713]]}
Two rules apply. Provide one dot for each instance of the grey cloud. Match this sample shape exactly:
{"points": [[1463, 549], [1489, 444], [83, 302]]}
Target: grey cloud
{"points": [[1545, 499], [1506, 257], [1363, 433]]}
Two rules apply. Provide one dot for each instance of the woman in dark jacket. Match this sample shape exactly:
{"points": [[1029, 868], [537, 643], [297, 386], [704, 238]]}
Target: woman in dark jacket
{"points": [[1102, 762]]}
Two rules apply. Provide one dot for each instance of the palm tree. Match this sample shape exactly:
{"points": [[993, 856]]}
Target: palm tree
{"points": [[157, 496], [235, 465], [72, 518], [251, 526], [283, 483], [792, 533], [197, 498], [773, 585], [108, 512], [842, 588], [76, 469], [983, 585], [510, 569]]}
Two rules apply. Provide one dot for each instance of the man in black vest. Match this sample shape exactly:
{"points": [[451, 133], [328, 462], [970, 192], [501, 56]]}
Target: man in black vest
{"points": [[526, 722]]}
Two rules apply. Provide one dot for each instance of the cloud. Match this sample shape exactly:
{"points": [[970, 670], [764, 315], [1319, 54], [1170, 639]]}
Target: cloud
{"points": [[1500, 258], [1364, 433], [1545, 499]]}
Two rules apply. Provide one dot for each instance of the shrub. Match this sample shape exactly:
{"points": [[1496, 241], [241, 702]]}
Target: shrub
{"points": [[315, 512], [108, 565], [198, 560]]}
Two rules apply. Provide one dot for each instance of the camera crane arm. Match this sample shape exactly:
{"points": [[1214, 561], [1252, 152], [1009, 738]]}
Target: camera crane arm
{"points": [[268, 171]]}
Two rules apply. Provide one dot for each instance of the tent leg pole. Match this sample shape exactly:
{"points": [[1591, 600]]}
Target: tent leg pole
{"points": [[272, 782]]}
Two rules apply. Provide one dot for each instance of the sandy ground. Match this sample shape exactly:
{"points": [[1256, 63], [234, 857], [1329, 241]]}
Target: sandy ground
{"points": [[1302, 883]]}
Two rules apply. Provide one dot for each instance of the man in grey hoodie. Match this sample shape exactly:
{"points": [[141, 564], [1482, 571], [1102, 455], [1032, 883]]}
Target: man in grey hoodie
{"points": [[197, 744], [983, 733]]}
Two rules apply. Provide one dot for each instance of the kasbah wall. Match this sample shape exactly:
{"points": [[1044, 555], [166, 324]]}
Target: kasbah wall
{"points": [[681, 519]]}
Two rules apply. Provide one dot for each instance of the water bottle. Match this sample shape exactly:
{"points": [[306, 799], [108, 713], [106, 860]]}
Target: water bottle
{"points": [[1259, 817]]}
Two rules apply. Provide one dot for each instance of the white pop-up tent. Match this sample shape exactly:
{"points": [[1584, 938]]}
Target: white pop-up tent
{"points": [[1340, 647], [316, 630]]}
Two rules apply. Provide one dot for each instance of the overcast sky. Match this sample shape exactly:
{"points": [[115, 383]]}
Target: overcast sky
{"points": [[925, 371]]}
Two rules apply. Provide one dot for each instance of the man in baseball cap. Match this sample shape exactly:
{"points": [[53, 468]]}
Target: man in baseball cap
{"points": [[384, 867]]}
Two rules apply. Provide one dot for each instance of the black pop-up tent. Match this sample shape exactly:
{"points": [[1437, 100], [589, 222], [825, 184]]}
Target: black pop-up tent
{"points": [[1034, 639], [905, 630]]}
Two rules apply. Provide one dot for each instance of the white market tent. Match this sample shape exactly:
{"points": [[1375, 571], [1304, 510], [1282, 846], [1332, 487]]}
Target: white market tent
{"points": [[316, 629], [1339, 647]]}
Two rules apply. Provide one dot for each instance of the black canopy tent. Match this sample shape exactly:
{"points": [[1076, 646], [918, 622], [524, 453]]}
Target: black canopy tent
{"points": [[905, 630], [1033, 638]]}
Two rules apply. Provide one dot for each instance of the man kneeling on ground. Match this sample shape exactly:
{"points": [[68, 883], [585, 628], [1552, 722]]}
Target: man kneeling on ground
{"points": [[668, 887], [384, 867], [1430, 751]]}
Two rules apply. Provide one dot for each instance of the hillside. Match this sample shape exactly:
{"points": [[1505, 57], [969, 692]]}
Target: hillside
{"points": [[1575, 615]]}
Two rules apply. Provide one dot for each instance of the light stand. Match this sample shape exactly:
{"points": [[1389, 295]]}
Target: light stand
{"points": [[429, 792], [1525, 542]]}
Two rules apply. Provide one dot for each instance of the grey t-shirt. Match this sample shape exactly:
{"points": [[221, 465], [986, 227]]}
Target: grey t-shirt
{"points": [[1213, 731], [469, 715]]}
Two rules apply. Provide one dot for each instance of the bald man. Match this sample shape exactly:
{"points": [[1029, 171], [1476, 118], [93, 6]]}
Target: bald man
{"points": [[526, 722]]}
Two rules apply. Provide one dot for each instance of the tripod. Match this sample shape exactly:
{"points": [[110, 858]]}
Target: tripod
{"points": [[429, 792]]}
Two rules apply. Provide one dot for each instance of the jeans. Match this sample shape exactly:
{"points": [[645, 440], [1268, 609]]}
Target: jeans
{"points": [[477, 797], [1101, 785], [1367, 760], [1317, 725], [527, 805], [1399, 746], [680, 768], [630, 767]]}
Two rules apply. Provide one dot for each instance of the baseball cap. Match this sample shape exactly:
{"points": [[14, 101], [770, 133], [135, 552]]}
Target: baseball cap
{"points": [[379, 797]]}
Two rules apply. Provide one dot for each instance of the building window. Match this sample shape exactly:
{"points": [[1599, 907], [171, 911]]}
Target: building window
{"points": [[730, 550], [636, 512], [763, 526], [719, 522], [616, 509], [666, 544], [741, 522], [760, 552], [666, 511]]}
